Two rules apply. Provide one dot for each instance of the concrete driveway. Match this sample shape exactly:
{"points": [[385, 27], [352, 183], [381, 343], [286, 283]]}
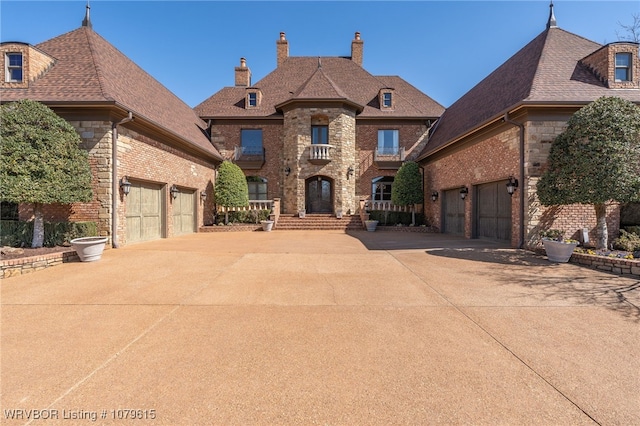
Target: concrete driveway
{"points": [[301, 328]]}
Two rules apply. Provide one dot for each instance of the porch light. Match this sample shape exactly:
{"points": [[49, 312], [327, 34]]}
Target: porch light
{"points": [[287, 171], [434, 196], [203, 195], [512, 184], [174, 191], [125, 185], [350, 171], [463, 192]]}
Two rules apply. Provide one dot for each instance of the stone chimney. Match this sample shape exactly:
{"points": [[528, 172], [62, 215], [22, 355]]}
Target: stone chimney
{"points": [[243, 74], [357, 47], [282, 47]]}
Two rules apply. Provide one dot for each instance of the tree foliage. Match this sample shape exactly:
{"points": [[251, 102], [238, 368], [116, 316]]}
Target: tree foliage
{"points": [[407, 185], [40, 157], [595, 160], [231, 186]]}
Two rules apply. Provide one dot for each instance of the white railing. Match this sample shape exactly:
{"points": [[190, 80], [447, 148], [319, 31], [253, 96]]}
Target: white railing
{"points": [[386, 206], [253, 205], [320, 152]]}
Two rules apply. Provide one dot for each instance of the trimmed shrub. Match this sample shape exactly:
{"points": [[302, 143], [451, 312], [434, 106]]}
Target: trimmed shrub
{"points": [[627, 242], [388, 218], [251, 216], [20, 234]]}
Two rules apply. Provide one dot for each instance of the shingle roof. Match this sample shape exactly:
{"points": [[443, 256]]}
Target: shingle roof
{"points": [[89, 69], [337, 78], [546, 71]]}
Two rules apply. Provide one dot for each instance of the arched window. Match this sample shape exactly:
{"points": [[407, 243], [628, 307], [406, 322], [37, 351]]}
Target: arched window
{"points": [[381, 188], [257, 187]]}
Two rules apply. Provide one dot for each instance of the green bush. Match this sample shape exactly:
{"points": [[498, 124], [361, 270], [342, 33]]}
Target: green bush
{"points": [[20, 234], [632, 229], [627, 241], [252, 216], [388, 218]]}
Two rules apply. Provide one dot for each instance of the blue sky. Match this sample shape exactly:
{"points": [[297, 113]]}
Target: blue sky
{"points": [[443, 48]]}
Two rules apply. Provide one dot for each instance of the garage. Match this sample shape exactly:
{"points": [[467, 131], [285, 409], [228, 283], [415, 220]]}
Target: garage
{"points": [[184, 211], [493, 211], [144, 212], [453, 212]]}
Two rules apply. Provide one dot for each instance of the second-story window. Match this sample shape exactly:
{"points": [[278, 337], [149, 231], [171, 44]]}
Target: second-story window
{"points": [[623, 66], [13, 68], [320, 135], [251, 141], [253, 99], [388, 142]]}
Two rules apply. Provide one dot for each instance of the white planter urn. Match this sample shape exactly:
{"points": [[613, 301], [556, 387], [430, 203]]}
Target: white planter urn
{"points": [[371, 225], [267, 225], [558, 251], [89, 249]]}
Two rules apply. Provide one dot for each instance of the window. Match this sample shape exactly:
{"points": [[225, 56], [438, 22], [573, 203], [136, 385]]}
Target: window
{"points": [[251, 141], [388, 142], [623, 66], [253, 99], [13, 70], [320, 135], [386, 100], [381, 188], [257, 188]]}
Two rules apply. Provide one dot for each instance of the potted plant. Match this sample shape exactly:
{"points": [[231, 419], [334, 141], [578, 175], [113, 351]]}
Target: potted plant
{"points": [[267, 225], [558, 249], [89, 249], [371, 225]]}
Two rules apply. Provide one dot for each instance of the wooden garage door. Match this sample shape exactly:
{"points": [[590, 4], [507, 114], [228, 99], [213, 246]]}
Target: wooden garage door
{"points": [[184, 213], [453, 212], [144, 212], [493, 211]]}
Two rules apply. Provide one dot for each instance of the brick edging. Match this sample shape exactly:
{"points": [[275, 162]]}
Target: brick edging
{"points": [[616, 265], [24, 265]]}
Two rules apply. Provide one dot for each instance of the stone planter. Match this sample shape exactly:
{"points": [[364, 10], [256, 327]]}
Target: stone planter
{"points": [[558, 251], [89, 249], [302, 213], [339, 214], [371, 225], [267, 225]]}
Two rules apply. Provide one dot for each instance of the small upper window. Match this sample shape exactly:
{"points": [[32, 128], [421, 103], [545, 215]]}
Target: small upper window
{"points": [[623, 66], [320, 135], [386, 100], [253, 99], [13, 71]]}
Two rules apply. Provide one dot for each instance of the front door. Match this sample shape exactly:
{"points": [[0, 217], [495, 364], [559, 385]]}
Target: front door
{"points": [[319, 195]]}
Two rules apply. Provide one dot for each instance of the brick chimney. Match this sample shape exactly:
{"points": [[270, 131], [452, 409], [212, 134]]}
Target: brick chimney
{"points": [[282, 47], [243, 74], [357, 47]]}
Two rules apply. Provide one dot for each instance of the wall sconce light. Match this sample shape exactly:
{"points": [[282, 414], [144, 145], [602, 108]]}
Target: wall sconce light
{"points": [[287, 171], [125, 185], [512, 184], [463, 192], [434, 196], [174, 191], [203, 195], [350, 171]]}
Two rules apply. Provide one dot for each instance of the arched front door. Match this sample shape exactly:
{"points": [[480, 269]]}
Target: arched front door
{"points": [[319, 195]]}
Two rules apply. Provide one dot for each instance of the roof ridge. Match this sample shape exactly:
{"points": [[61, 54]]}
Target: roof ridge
{"points": [[95, 63]]}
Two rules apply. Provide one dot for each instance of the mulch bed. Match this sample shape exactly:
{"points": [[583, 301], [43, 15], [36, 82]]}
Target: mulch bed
{"points": [[28, 252]]}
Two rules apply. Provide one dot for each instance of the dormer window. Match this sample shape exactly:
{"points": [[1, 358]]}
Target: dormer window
{"points": [[386, 98], [623, 67], [13, 68], [253, 98]]}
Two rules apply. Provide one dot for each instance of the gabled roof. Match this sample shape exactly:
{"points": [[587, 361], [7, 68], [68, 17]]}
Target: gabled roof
{"points": [[547, 71], [89, 70], [337, 78]]}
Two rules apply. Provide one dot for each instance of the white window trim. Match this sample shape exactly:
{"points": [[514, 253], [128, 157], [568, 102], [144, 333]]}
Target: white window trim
{"points": [[9, 67]]}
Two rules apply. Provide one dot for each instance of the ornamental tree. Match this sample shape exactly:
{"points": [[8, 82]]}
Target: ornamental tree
{"points": [[41, 161], [231, 188], [596, 160], [407, 187]]}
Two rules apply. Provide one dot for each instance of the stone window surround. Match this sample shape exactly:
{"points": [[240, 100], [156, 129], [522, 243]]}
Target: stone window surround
{"points": [[253, 98], [386, 98]]}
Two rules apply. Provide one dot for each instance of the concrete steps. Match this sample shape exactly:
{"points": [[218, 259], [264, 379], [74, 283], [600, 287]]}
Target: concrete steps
{"points": [[318, 222]]}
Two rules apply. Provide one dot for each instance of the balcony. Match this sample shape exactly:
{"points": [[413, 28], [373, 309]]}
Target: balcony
{"points": [[249, 157], [388, 158], [320, 153]]}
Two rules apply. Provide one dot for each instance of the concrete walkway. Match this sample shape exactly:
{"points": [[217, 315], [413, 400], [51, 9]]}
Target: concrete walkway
{"points": [[315, 327]]}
